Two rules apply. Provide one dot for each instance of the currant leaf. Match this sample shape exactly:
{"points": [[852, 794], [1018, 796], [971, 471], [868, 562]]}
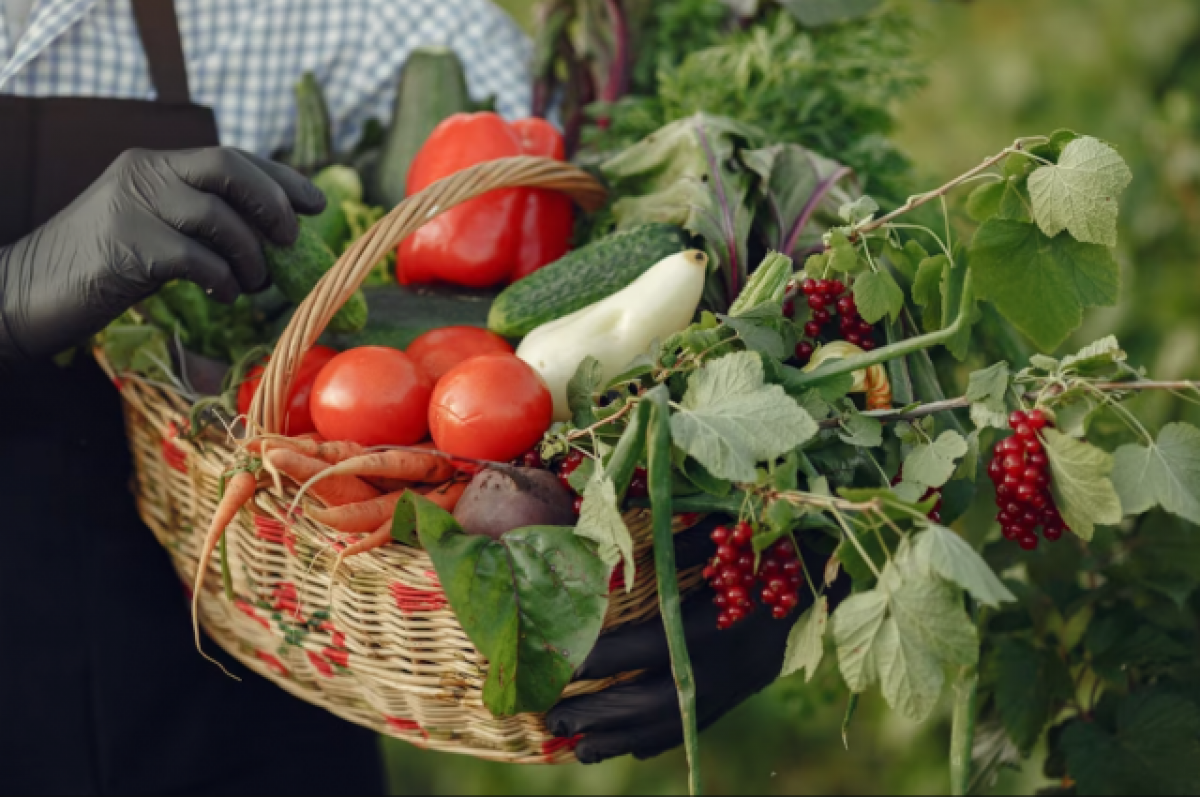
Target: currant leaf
{"points": [[986, 390], [932, 464], [1082, 489], [877, 295], [927, 291], [939, 550], [1166, 473], [1079, 194], [806, 642], [600, 521], [862, 431]]}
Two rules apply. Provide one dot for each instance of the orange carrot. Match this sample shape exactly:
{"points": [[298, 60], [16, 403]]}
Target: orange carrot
{"points": [[331, 489], [332, 452], [389, 485], [238, 491], [446, 496], [406, 465], [358, 518]]}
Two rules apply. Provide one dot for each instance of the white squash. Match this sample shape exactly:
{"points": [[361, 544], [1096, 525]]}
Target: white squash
{"points": [[617, 329]]}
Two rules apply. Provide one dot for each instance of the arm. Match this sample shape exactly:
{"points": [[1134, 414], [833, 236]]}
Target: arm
{"points": [[152, 217]]}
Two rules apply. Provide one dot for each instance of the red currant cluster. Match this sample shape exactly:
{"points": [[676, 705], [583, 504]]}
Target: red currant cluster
{"points": [[731, 573], [639, 484], [1021, 473], [935, 514], [826, 297]]}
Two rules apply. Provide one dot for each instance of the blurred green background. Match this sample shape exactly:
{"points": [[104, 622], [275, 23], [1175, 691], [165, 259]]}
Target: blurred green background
{"points": [[1128, 72]]}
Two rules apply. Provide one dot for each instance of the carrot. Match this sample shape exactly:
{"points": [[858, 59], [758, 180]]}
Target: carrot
{"points": [[446, 496], [332, 452], [358, 518], [333, 490], [389, 485], [238, 492], [409, 466]]}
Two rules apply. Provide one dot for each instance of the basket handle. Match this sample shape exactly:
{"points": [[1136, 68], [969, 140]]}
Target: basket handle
{"points": [[340, 283]]}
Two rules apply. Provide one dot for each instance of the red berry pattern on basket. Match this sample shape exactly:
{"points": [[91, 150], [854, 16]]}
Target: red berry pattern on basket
{"points": [[1021, 473], [828, 298], [776, 584]]}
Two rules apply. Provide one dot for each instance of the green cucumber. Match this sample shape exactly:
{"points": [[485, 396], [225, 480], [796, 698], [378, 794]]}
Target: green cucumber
{"points": [[432, 87], [399, 314], [582, 277], [313, 146], [339, 184], [297, 269]]}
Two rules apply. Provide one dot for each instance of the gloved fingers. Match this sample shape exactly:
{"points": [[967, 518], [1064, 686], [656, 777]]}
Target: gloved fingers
{"points": [[174, 255], [254, 194], [305, 197], [654, 737], [208, 219], [619, 707]]}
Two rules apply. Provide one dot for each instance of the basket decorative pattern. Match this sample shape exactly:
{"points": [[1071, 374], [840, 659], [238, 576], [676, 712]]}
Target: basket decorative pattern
{"points": [[377, 644]]}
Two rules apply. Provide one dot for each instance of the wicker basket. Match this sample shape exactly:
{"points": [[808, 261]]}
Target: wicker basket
{"points": [[388, 653]]}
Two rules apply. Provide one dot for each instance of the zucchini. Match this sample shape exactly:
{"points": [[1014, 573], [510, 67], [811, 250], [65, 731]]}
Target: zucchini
{"points": [[339, 184], [399, 314], [297, 269], [432, 87], [313, 146], [582, 277], [768, 283]]}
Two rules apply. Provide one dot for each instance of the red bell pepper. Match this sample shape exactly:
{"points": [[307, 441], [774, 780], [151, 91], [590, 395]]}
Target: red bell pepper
{"points": [[496, 238]]}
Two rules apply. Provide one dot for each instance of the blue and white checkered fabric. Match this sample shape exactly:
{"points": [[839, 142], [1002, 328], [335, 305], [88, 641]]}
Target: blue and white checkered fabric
{"points": [[244, 57]]}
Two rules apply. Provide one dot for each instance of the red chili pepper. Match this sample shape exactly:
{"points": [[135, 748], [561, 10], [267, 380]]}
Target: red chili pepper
{"points": [[496, 238]]}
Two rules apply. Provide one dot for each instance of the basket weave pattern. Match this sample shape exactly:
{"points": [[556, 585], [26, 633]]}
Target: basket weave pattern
{"points": [[377, 644]]}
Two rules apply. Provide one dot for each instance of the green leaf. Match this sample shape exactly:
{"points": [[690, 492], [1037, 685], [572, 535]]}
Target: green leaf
{"points": [[532, 602], [842, 254], [730, 419], [958, 298], [968, 466], [941, 551], [1081, 485], [986, 390], [932, 464], [1079, 194], [806, 642], [600, 521], [930, 609], [877, 295], [861, 430], [1152, 748], [1104, 358], [984, 201], [1041, 284], [793, 178], [856, 626], [1166, 473], [815, 13], [1028, 681], [581, 391], [927, 291], [860, 210], [757, 335], [404, 524], [910, 676], [136, 348]]}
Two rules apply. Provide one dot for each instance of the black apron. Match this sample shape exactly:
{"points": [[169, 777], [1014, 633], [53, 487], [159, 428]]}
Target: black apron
{"points": [[101, 689]]}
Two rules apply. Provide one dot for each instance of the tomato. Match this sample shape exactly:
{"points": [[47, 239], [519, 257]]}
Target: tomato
{"points": [[299, 420], [373, 396], [493, 407], [439, 350]]}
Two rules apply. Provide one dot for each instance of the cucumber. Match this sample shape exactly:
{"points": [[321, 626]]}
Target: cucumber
{"points": [[582, 277], [432, 87], [399, 314], [313, 146], [339, 184], [297, 269]]}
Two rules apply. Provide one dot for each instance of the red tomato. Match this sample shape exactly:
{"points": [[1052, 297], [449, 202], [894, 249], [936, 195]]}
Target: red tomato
{"points": [[373, 396], [439, 350], [492, 407], [299, 420]]}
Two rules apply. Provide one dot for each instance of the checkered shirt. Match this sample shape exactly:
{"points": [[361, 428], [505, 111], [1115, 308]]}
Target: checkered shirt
{"points": [[244, 57]]}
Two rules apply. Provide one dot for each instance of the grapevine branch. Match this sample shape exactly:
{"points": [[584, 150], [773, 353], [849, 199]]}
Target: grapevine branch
{"points": [[962, 402]]}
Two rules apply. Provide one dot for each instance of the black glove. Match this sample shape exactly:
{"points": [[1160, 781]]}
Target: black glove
{"points": [[152, 217], [642, 717]]}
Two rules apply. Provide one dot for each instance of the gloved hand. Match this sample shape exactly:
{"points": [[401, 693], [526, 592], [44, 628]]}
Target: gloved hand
{"points": [[152, 217], [642, 717]]}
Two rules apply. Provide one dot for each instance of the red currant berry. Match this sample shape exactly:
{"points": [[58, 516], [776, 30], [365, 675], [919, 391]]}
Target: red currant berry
{"points": [[867, 345], [1036, 419], [769, 597], [792, 568], [730, 576], [771, 566], [795, 580], [1010, 532], [848, 324], [736, 614], [809, 287], [785, 550], [824, 286], [779, 612], [846, 306], [1009, 445], [1025, 432], [727, 553], [812, 329], [1028, 542], [1031, 517], [745, 563], [853, 338], [1014, 464], [1005, 492], [777, 585], [1012, 481], [709, 572], [935, 516], [1026, 492], [720, 535], [736, 595], [816, 302], [1039, 501], [865, 329], [565, 482], [804, 350], [789, 600], [743, 532], [1037, 459], [720, 600], [1051, 516], [723, 621], [1052, 533], [1016, 418], [789, 308], [531, 459], [1005, 518], [821, 316], [996, 469], [1013, 509], [1032, 476], [837, 287], [639, 485], [577, 504]]}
